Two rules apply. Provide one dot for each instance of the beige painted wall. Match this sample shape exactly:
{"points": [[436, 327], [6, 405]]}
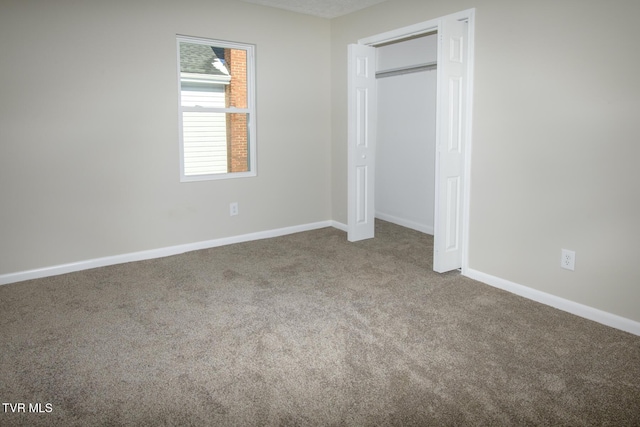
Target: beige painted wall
{"points": [[555, 145], [89, 138]]}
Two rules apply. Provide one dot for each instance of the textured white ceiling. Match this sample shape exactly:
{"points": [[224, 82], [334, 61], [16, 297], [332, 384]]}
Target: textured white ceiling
{"points": [[321, 8]]}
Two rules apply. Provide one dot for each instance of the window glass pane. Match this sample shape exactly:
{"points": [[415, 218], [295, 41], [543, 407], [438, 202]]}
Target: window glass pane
{"points": [[205, 143], [202, 65], [215, 143]]}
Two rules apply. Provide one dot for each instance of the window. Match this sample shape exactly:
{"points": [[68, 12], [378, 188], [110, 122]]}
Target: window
{"points": [[217, 109]]}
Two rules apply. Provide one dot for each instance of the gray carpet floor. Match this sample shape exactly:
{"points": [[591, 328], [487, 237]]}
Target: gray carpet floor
{"points": [[304, 330]]}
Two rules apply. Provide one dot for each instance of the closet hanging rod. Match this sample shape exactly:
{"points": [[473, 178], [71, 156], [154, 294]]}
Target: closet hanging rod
{"points": [[406, 70]]}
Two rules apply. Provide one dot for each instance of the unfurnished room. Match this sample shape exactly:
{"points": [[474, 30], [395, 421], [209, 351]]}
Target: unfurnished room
{"points": [[319, 212]]}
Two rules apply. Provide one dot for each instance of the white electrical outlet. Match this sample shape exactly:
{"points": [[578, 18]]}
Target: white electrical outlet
{"points": [[233, 209], [568, 260]]}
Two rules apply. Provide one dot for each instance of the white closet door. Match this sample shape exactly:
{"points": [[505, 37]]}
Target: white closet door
{"points": [[450, 151], [361, 113]]}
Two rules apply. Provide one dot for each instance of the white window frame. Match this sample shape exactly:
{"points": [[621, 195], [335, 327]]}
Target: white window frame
{"points": [[250, 110]]}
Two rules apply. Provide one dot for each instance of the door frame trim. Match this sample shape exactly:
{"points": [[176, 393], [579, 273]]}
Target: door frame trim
{"points": [[430, 26]]}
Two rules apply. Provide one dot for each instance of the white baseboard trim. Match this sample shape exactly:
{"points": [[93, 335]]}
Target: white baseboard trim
{"points": [[405, 223], [340, 226], [569, 306], [155, 253]]}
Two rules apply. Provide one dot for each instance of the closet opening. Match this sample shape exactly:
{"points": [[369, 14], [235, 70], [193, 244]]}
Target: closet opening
{"points": [[406, 86]]}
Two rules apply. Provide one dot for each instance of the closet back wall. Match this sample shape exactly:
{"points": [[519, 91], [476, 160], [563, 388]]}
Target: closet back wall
{"points": [[405, 151]]}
